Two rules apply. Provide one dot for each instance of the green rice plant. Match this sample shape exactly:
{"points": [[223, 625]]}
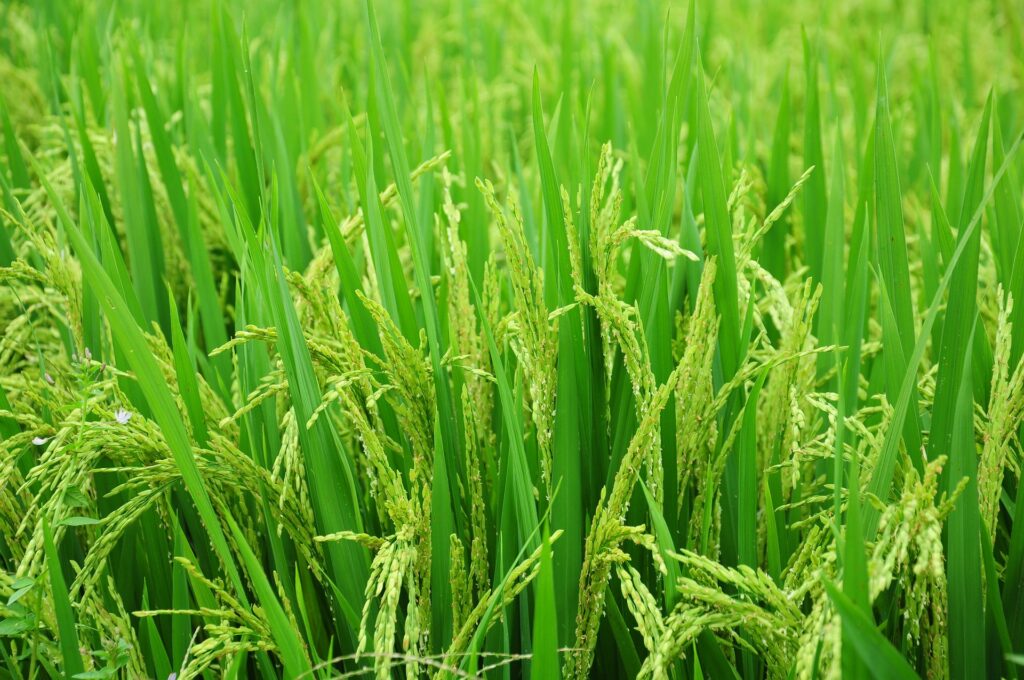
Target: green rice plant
{"points": [[506, 340]]}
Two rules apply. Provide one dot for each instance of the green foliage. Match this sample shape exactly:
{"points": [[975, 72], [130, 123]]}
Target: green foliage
{"points": [[511, 339]]}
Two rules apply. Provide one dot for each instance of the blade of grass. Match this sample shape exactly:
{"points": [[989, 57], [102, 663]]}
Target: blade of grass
{"points": [[892, 263], [830, 314], [963, 550], [574, 396], [545, 664], [962, 306], [66, 626], [293, 657], [884, 660], [815, 201], [854, 561], [773, 257], [719, 232]]}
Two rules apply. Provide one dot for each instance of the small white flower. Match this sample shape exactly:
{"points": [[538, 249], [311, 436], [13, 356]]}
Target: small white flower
{"points": [[123, 416], [39, 441]]}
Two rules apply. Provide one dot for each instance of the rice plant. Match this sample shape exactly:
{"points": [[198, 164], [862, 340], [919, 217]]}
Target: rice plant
{"points": [[475, 338]]}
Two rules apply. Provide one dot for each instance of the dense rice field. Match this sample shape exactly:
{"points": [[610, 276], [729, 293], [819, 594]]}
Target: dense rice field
{"points": [[481, 338]]}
